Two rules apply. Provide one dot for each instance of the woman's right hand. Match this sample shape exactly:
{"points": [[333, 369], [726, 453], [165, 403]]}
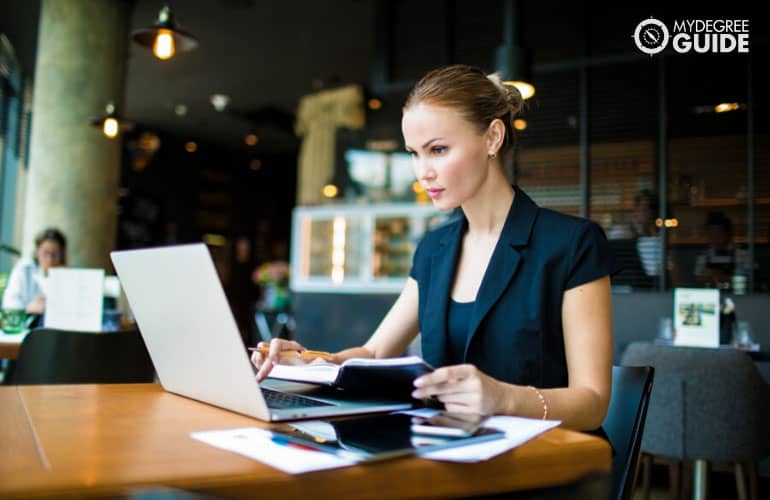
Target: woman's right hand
{"points": [[265, 362]]}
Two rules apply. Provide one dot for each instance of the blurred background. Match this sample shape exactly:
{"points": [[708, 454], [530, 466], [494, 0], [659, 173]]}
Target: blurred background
{"points": [[270, 130], [278, 127]]}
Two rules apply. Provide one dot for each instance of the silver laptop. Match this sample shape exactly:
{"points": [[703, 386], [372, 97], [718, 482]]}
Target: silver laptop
{"points": [[191, 335]]}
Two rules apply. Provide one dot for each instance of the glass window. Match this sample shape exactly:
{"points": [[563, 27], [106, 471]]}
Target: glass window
{"points": [[333, 248], [393, 247], [12, 138], [707, 170], [762, 213], [548, 160]]}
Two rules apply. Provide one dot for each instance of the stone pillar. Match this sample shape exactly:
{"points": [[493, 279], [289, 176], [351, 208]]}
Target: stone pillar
{"points": [[74, 170]]}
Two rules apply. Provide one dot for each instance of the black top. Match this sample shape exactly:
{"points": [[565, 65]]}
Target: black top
{"points": [[515, 329], [458, 321]]}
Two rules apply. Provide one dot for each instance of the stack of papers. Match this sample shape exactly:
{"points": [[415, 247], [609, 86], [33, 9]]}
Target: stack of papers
{"points": [[269, 448]]}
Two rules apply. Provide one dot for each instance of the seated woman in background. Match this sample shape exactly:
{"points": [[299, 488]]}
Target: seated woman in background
{"points": [[26, 285], [512, 300]]}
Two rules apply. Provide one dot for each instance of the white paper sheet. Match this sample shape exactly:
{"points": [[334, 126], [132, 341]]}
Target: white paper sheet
{"points": [[74, 299], [517, 430], [256, 443]]}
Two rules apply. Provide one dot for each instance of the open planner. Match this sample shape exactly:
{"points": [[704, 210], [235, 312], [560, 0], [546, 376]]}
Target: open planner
{"points": [[388, 377]]}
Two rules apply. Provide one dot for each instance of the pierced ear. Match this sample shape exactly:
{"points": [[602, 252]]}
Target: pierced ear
{"points": [[495, 135]]}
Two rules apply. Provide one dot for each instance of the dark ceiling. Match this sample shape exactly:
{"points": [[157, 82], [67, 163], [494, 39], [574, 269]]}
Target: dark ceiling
{"points": [[266, 54]]}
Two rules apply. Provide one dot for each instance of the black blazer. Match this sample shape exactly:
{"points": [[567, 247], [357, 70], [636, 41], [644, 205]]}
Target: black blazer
{"points": [[515, 333]]}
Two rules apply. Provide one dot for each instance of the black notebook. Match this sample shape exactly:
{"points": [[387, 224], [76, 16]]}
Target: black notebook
{"points": [[387, 377]]}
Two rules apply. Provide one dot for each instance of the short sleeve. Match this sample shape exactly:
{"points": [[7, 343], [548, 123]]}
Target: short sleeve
{"points": [[590, 258]]}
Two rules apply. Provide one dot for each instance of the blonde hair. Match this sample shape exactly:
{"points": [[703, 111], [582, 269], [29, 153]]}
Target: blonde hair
{"points": [[478, 97]]}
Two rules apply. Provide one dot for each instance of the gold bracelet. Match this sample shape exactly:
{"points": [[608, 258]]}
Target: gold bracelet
{"points": [[542, 400]]}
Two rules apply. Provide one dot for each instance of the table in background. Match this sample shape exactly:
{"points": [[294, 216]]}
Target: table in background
{"points": [[10, 344], [97, 440]]}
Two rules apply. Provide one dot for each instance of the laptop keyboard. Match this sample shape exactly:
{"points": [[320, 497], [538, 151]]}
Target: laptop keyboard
{"points": [[283, 400]]}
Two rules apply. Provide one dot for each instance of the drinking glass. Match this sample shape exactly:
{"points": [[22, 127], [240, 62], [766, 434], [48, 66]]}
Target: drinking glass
{"points": [[742, 336], [13, 320]]}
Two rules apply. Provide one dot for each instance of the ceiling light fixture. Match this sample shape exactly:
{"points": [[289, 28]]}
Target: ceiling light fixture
{"points": [[330, 190], [723, 107], [513, 61], [251, 140], [164, 38], [111, 124], [726, 107], [220, 101]]}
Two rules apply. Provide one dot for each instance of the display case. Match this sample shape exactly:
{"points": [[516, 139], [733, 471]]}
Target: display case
{"points": [[357, 248]]}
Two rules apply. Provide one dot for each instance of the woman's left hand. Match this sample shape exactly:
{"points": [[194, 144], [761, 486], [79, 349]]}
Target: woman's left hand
{"points": [[37, 306], [462, 389]]}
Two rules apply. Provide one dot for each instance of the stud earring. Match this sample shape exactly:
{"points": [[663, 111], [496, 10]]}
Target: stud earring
{"points": [[492, 154]]}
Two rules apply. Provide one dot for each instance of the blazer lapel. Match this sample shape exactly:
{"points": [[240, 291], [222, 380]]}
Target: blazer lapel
{"points": [[443, 264], [505, 260]]}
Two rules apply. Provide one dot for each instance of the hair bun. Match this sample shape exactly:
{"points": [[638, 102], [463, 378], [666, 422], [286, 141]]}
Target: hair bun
{"points": [[509, 92]]}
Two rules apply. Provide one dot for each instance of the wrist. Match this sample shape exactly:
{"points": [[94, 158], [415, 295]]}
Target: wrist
{"points": [[506, 403], [541, 400]]}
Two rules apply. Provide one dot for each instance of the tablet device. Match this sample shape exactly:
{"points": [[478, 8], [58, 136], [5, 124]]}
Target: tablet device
{"points": [[378, 437]]}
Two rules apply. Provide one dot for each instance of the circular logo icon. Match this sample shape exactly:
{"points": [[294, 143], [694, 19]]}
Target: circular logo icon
{"points": [[651, 36]]}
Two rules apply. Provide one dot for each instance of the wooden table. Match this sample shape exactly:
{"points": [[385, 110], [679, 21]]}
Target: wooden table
{"points": [[96, 440], [10, 344]]}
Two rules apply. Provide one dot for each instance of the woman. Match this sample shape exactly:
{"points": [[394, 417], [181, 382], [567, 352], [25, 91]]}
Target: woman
{"points": [[513, 301], [26, 285]]}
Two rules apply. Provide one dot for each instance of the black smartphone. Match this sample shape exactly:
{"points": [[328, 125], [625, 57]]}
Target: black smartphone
{"points": [[448, 424]]}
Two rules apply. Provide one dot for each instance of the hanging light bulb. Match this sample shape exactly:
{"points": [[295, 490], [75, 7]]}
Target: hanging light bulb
{"points": [[111, 124], [164, 38], [163, 48], [111, 127]]}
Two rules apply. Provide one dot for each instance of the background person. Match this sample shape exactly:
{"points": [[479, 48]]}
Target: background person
{"points": [[722, 259], [26, 284], [642, 221], [512, 301], [636, 243]]}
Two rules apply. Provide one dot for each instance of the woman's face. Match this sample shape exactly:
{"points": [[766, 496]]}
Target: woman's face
{"points": [[49, 254], [449, 155]]}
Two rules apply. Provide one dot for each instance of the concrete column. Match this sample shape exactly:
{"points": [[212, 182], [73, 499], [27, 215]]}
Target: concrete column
{"points": [[73, 169]]}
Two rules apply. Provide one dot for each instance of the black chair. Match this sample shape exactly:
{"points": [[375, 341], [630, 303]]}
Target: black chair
{"points": [[49, 356], [624, 424]]}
